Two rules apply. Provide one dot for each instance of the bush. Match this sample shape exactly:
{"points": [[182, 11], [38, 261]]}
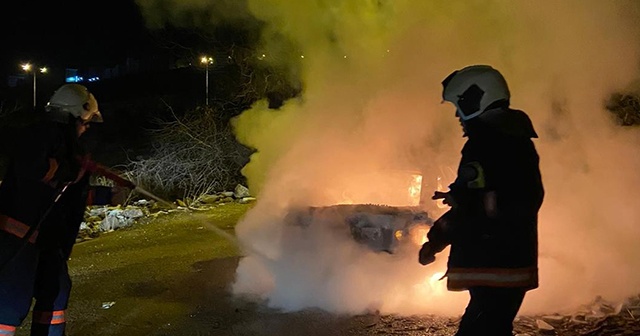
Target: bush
{"points": [[193, 155]]}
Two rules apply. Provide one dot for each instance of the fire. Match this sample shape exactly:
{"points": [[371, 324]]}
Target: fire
{"points": [[389, 187], [440, 203], [436, 277], [436, 284], [419, 235], [433, 285], [415, 189], [346, 199]]}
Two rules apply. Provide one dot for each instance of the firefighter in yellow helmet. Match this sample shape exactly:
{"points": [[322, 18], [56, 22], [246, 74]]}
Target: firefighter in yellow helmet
{"points": [[42, 201], [492, 224]]}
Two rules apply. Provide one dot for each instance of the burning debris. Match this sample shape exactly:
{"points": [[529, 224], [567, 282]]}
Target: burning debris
{"points": [[380, 227]]}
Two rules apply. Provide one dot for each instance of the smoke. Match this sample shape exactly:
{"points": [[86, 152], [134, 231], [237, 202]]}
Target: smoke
{"points": [[371, 73]]}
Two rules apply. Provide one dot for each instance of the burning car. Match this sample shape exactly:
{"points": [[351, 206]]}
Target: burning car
{"points": [[381, 227]]}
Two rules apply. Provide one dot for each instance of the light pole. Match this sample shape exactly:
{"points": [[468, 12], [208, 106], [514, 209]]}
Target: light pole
{"points": [[27, 67], [206, 60]]}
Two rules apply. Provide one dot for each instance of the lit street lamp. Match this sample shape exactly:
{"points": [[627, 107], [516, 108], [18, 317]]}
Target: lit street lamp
{"points": [[27, 67], [206, 60]]}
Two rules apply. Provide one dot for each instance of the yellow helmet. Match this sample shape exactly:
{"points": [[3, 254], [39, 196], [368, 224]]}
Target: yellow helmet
{"points": [[74, 100]]}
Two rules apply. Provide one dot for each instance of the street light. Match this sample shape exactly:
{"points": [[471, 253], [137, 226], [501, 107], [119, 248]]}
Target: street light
{"points": [[206, 60], [27, 67]]}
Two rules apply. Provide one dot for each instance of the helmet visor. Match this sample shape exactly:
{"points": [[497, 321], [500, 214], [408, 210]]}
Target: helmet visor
{"points": [[465, 116]]}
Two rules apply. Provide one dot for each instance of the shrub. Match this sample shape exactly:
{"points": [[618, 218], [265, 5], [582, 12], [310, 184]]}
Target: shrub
{"points": [[193, 155]]}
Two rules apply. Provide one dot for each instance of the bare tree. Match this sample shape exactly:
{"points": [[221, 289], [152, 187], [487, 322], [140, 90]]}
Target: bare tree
{"points": [[194, 155], [198, 153]]}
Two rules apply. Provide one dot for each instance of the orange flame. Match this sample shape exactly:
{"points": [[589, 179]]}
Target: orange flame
{"points": [[415, 189]]}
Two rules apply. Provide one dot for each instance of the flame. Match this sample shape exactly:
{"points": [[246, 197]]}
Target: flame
{"points": [[432, 285], [346, 198], [435, 278], [389, 187], [415, 189], [440, 203], [419, 235], [436, 283]]}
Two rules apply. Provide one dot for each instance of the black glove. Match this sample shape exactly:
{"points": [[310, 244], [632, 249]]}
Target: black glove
{"points": [[427, 254]]}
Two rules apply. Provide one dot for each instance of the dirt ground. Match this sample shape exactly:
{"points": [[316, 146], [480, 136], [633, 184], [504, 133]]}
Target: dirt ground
{"points": [[170, 277]]}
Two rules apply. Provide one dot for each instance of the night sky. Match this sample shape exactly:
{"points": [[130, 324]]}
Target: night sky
{"points": [[70, 34]]}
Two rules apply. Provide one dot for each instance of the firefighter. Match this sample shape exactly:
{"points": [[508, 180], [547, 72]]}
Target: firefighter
{"points": [[491, 227], [42, 203]]}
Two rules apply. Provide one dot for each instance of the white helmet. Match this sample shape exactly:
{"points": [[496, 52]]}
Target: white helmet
{"points": [[76, 100], [473, 89]]}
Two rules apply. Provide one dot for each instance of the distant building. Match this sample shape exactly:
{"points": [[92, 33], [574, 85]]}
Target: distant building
{"points": [[71, 76], [14, 80], [130, 66]]}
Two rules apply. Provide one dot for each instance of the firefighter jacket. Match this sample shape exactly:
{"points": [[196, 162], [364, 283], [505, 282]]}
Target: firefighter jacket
{"points": [[492, 227], [44, 160]]}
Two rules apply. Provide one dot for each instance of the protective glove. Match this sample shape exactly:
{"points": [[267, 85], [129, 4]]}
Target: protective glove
{"points": [[446, 198], [427, 254]]}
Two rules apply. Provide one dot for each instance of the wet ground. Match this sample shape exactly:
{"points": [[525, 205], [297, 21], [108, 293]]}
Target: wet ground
{"points": [[171, 276]]}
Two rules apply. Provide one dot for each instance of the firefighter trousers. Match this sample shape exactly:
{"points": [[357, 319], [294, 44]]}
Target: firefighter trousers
{"points": [[491, 311], [33, 274]]}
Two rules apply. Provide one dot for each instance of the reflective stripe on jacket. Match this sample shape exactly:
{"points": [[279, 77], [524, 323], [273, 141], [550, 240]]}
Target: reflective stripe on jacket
{"points": [[7, 330], [17, 228], [463, 278]]}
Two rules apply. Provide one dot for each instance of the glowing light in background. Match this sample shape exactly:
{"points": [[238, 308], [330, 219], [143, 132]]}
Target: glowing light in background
{"points": [[74, 79], [415, 190]]}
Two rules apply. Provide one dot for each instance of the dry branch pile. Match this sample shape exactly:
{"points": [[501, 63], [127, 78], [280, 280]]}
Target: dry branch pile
{"points": [[194, 155]]}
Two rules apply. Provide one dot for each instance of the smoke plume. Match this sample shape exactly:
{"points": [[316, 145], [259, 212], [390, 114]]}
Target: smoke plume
{"points": [[371, 103]]}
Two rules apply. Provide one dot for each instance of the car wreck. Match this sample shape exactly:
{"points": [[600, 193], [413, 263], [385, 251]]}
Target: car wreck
{"points": [[380, 227]]}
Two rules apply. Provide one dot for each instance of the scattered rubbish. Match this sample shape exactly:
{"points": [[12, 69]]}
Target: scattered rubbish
{"points": [[107, 305]]}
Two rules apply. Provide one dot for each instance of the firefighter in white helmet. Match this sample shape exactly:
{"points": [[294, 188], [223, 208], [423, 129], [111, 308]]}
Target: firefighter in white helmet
{"points": [[43, 196], [492, 224], [73, 102]]}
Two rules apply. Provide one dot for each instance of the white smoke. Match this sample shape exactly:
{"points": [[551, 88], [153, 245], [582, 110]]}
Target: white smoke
{"points": [[371, 74]]}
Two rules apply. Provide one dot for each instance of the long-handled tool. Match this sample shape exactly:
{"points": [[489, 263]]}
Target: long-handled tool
{"points": [[119, 180]]}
